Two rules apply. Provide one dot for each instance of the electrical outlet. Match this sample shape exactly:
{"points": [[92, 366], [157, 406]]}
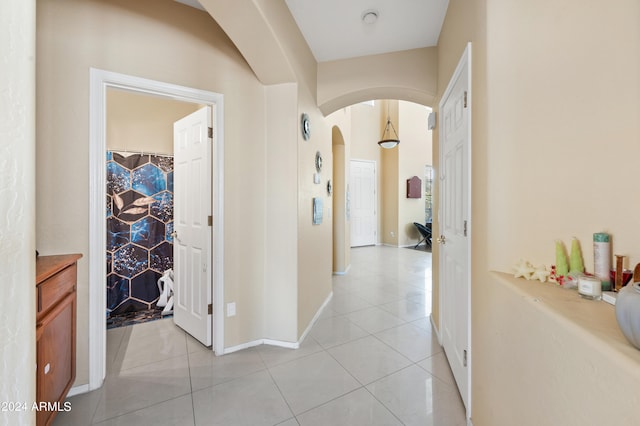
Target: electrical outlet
{"points": [[231, 309], [393, 234]]}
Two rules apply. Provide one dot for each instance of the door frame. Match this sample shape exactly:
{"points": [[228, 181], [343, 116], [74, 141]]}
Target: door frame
{"points": [[100, 81], [375, 199], [463, 64]]}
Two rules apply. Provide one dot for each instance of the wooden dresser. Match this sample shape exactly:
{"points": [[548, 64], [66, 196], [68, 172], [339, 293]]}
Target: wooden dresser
{"points": [[55, 331]]}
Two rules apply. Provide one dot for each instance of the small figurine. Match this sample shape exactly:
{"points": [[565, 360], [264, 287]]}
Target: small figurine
{"points": [[540, 273], [523, 269]]}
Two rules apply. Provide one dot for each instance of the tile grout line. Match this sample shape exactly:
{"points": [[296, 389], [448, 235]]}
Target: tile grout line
{"points": [[275, 383], [193, 404]]}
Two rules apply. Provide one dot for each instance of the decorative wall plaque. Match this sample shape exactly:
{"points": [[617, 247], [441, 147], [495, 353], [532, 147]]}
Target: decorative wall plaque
{"points": [[414, 187]]}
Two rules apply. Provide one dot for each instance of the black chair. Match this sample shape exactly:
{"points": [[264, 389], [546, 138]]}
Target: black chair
{"points": [[425, 232]]}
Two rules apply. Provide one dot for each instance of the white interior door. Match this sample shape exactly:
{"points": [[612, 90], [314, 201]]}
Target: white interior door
{"points": [[455, 290], [192, 232], [363, 203]]}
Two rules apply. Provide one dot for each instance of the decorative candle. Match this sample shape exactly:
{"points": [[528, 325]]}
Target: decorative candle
{"points": [[617, 285], [602, 258], [562, 268], [576, 265], [590, 287]]}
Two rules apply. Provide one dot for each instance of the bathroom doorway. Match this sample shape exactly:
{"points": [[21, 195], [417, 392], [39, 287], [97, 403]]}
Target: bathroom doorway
{"points": [[140, 205], [101, 83]]}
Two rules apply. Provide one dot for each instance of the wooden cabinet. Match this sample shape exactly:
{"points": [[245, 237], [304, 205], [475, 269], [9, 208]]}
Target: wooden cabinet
{"points": [[55, 332]]}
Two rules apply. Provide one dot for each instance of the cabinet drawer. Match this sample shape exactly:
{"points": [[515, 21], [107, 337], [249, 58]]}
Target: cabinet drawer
{"points": [[55, 288]]}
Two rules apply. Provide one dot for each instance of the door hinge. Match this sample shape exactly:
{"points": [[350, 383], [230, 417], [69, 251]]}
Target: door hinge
{"points": [[464, 101], [465, 228], [210, 221], [210, 309], [464, 357], [210, 130]]}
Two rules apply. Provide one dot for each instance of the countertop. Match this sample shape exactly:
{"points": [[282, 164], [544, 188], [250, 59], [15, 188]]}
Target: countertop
{"points": [[594, 320], [47, 266]]}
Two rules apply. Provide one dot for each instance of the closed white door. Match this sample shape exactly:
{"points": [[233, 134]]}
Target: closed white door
{"points": [[455, 290], [192, 232], [363, 203]]}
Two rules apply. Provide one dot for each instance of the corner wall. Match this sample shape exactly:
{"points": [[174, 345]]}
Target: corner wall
{"points": [[415, 153], [17, 209]]}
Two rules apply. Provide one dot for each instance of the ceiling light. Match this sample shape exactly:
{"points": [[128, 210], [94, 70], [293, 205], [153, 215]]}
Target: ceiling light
{"points": [[369, 16], [386, 141]]}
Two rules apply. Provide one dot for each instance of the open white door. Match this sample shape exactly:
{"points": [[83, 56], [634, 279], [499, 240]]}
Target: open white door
{"points": [[192, 230], [363, 203], [455, 253]]}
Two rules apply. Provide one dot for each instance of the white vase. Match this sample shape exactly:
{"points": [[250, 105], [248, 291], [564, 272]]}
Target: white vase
{"points": [[628, 312]]}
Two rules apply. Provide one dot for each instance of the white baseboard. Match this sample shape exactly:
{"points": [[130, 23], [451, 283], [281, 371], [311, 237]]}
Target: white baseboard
{"points": [[77, 390], [281, 343], [242, 346], [342, 273], [251, 344], [315, 318]]}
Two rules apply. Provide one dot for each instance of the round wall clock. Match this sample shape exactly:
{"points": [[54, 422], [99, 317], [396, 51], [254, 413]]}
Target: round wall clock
{"points": [[305, 126], [318, 161]]}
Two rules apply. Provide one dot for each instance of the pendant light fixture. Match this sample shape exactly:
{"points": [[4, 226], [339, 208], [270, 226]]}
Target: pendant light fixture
{"points": [[386, 141]]}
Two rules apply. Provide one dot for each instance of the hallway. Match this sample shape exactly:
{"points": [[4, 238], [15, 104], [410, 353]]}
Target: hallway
{"points": [[370, 359]]}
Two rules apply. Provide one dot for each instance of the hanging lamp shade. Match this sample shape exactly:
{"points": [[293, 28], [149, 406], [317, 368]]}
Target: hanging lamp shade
{"points": [[386, 141]]}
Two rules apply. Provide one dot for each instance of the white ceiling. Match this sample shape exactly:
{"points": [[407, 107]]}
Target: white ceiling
{"points": [[334, 29]]}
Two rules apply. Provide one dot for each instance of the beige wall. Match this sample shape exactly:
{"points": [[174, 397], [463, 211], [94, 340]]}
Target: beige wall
{"points": [[341, 147], [546, 89], [410, 75], [314, 241], [187, 49], [17, 210], [414, 154], [399, 164], [280, 186], [586, 140], [142, 123], [389, 176]]}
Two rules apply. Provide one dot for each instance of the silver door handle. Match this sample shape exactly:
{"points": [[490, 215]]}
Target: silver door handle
{"points": [[441, 239], [174, 235]]}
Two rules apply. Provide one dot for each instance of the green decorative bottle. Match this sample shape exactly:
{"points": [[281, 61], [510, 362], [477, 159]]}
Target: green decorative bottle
{"points": [[576, 264], [562, 266]]}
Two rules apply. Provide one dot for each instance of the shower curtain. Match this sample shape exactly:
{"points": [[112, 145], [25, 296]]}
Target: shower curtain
{"points": [[139, 226]]}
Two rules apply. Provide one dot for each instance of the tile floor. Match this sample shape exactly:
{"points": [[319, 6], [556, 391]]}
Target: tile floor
{"points": [[371, 359]]}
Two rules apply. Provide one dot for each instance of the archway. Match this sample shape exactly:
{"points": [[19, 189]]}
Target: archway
{"points": [[339, 204]]}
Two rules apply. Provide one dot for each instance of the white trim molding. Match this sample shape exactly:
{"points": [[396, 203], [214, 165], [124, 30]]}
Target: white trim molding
{"points": [[100, 81]]}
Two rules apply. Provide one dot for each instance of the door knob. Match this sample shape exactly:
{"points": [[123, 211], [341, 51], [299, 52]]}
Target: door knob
{"points": [[174, 235], [441, 239]]}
